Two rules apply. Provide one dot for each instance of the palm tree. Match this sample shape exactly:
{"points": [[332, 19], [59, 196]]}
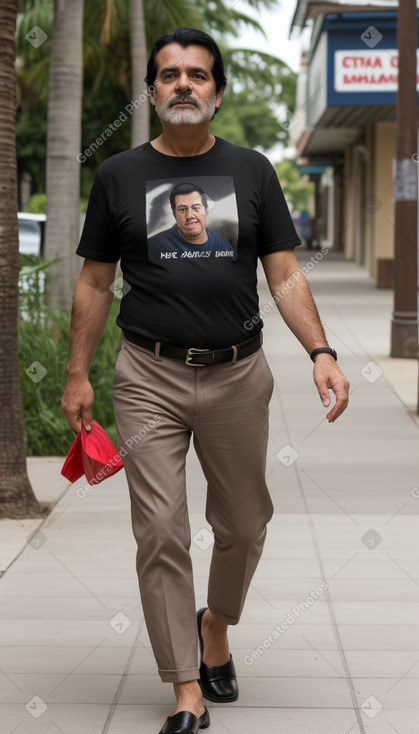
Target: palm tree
{"points": [[148, 19], [17, 499], [63, 147], [140, 116]]}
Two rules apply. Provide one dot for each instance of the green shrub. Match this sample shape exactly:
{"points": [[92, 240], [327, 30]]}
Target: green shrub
{"points": [[37, 204], [44, 338]]}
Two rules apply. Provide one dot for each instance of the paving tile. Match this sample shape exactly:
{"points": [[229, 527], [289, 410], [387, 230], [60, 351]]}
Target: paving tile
{"points": [[69, 718], [83, 608], [355, 566], [22, 687], [389, 721], [274, 663], [397, 693], [347, 590], [379, 637], [273, 720], [50, 633], [383, 664], [290, 590], [384, 612], [304, 609], [61, 660]]}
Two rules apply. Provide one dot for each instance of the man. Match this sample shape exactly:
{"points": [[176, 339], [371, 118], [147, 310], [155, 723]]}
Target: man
{"points": [[189, 237], [189, 365]]}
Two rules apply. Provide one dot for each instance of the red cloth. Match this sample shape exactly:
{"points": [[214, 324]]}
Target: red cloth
{"points": [[92, 454]]}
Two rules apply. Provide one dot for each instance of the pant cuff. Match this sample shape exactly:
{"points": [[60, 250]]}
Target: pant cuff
{"points": [[179, 676], [223, 617]]}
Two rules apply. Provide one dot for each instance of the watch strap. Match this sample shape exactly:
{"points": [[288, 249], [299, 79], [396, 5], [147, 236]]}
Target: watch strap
{"points": [[324, 350]]}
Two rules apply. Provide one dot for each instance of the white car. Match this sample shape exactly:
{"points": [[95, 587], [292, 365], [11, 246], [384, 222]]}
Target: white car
{"points": [[31, 233]]}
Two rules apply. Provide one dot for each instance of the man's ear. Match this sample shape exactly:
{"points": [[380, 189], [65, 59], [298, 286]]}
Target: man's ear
{"points": [[219, 97], [152, 95]]}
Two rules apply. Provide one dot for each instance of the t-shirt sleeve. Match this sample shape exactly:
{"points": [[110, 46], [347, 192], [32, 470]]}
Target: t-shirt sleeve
{"points": [[276, 229], [98, 240]]}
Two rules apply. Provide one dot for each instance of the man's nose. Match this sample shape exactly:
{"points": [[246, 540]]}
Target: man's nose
{"points": [[183, 83]]}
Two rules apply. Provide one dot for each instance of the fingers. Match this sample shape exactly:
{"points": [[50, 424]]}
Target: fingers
{"points": [[77, 403], [324, 394], [337, 410], [331, 378]]}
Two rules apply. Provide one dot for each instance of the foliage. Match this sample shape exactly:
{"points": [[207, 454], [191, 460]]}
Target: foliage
{"points": [[37, 204], [297, 189], [246, 118], [259, 85], [44, 338]]}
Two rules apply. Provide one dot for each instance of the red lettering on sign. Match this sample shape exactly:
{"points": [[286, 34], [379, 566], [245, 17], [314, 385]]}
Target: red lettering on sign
{"points": [[362, 62], [369, 79]]}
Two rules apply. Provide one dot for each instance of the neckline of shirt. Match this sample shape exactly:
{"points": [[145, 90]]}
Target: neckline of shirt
{"points": [[192, 160]]}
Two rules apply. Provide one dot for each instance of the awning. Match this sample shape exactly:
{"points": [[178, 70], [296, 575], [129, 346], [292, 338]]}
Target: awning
{"points": [[311, 9]]}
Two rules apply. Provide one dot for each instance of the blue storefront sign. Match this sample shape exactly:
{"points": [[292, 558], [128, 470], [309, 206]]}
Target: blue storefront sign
{"points": [[362, 59]]}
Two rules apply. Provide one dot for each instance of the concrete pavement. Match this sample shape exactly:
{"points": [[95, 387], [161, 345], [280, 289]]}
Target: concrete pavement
{"points": [[329, 639]]}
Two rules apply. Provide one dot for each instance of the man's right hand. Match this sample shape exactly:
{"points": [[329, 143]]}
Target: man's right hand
{"points": [[77, 403]]}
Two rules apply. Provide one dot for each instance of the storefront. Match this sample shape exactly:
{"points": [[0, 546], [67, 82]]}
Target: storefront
{"points": [[345, 119]]}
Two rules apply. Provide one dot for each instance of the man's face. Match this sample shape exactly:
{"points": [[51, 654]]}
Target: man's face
{"points": [[185, 93], [191, 217]]}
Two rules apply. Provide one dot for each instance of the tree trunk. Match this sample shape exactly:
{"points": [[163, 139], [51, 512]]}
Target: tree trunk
{"points": [[140, 117], [17, 499], [63, 147]]}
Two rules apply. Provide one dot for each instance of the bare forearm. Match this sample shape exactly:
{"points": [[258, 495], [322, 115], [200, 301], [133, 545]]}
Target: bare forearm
{"points": [[88, 319], [300, 313], [295, 303], [91, 305]]}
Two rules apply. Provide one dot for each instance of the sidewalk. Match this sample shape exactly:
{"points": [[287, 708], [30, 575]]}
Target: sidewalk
{"points": [[329, 639]]}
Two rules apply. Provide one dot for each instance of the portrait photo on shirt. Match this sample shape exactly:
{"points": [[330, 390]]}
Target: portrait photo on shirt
{"points": [[192, 218]]}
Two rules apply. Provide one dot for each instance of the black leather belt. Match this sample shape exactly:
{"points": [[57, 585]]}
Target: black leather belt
{"points": [[198, 357]]}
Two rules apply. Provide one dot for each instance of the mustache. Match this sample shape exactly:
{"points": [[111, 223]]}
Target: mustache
{"points": [[182, 98]]}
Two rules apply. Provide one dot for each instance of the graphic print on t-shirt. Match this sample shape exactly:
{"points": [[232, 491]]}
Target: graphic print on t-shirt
{"points": [[192, 218]]}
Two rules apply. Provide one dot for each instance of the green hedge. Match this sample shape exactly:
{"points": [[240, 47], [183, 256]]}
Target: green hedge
{"points": [[44, 340]]}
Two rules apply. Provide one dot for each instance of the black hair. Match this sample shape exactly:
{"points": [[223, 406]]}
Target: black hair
{"points": [[186, 188], [187, 37]]}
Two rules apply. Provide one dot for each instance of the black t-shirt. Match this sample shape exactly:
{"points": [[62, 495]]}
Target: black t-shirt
{"points": [[203, 302]]}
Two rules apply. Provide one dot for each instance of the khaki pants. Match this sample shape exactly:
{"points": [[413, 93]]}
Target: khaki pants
{"points": [[159, 403]]}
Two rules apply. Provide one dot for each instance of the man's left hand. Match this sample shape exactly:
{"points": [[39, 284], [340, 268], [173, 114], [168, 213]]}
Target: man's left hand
{"points": [[327, 376]]}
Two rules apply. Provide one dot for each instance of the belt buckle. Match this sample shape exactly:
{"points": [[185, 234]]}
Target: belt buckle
{"points": [[190, 353]]}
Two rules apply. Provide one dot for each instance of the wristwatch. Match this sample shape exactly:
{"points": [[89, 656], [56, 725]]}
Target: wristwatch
{"points": [[324, 350]]}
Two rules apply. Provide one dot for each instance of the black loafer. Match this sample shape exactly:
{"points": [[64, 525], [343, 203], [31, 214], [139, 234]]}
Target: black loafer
{"points": [[218, 682], [185, 723]]}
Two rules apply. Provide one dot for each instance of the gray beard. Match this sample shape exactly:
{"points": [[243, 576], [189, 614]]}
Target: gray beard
{"points": [[203, 112]]}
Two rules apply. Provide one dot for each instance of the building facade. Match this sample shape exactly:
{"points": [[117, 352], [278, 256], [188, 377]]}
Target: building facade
{"points": [[344, 126]]}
